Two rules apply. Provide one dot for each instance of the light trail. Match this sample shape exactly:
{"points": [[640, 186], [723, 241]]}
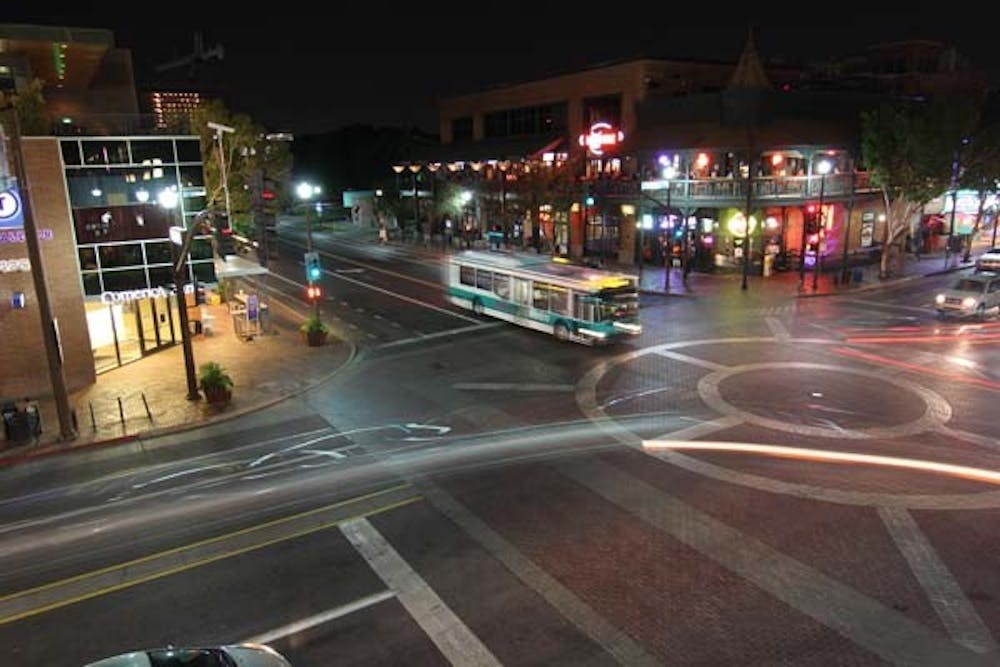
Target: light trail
{"points": [[828, 456], [925, 370]]}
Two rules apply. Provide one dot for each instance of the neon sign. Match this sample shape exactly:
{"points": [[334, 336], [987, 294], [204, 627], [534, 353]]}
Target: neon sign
{"points": [[17, 235], [10, 209], [601, 137]]}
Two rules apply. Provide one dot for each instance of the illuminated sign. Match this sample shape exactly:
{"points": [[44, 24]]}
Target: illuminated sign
{"points": [[15, 265], [737, 225], [11, 215], [126, 296], [601, 137], [17, 235]]}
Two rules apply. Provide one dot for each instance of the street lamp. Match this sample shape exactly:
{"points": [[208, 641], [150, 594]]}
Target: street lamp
{"points": [[823, 168], [669, 173], [414, 169], [306, 191], [168, 199]]}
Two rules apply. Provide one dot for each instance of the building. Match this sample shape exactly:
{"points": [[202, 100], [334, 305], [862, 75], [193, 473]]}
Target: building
{"points": [[173, 109]]}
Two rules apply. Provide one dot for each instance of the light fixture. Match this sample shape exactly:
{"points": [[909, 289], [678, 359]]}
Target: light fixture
{"points": [[777, 159], [415, 167], [142, 195], [823, 168], [167, 198], [398, 168], [96, 192], [701, 161]]}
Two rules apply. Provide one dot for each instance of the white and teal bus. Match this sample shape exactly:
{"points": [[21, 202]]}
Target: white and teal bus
{"points": [[570, 302]]}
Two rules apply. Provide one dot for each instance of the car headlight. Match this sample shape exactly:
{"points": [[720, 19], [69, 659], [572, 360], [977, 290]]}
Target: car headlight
{"points": [[939, 299], [969, 302]]}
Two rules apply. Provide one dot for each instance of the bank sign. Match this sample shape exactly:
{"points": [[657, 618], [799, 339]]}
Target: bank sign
{"points": [[11, 212]]}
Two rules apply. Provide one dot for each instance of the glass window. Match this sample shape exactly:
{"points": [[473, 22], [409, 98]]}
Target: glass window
{"points": [[495, 124], [204, 271], [104, 152], [91, 283], [70, 151], [540, 296], [161, 276], [484, 280], [158, 253], [201, 248], [120, 281], [188, 150], [467, 275], [559, 300], [152, 149], [88, 258], [522, 291], [115, 256], [461, 129], [501, 285], [192, 176], [584, 309]]}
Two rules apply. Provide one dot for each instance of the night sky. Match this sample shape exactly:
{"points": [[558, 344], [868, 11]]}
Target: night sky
{"points": [[387, 63]]}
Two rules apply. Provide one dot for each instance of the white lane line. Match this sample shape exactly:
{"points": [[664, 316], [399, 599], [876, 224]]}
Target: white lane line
{"points": [[778, 329], [372, 267], [618, 644], [401, 297], [439, 334], [319, 619], [863, 620], [452, 637], [946, 596], [513, 386], [704, 363]]}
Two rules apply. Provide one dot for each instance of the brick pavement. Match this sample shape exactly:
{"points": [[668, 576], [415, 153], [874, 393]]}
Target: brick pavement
{"points": [[264, 370]]}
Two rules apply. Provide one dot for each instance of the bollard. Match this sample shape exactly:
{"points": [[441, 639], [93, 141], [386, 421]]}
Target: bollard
{"points": [[93, 420], [121, 411], [146, 403]]}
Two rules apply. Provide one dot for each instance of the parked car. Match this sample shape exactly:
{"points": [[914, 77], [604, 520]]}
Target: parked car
{"points": [[976, 295], [242, 655], [989, 261]]}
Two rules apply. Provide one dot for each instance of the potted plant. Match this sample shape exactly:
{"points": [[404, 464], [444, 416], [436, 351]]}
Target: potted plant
{"points": [[216, 383], [314, 331]]}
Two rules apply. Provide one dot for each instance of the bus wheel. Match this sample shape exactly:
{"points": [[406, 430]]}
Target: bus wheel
{"points": [[561, 332], [477, 307]]}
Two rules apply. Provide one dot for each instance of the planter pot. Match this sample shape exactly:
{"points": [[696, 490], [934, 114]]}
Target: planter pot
{"points": [[316, 338], [217, 395]]}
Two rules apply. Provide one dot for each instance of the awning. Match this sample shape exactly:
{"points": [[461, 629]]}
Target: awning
{"points": [[235, 266], [506, 148]]}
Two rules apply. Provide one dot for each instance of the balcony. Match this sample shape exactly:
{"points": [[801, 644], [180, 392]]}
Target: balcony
{"points": [[731, 191]]}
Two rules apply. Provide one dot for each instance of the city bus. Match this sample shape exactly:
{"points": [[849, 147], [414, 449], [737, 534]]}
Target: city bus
{"points": [[573, 303]]}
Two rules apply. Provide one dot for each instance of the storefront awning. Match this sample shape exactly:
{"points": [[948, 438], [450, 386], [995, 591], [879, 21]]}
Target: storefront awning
{"points": [[235, 266], [507, 148]]}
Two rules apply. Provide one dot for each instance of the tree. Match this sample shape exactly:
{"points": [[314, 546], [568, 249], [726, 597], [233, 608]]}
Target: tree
{"points": [[910, 150], [30, 107], [246, 150], [980, 172]]}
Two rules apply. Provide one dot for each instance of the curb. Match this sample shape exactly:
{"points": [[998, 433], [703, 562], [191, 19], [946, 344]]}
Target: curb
{"points": [[156, 432], [888, 283]]}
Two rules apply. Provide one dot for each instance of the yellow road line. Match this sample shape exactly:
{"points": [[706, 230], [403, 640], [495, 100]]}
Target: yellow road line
{"points": [[194, 545], [199, 563]]}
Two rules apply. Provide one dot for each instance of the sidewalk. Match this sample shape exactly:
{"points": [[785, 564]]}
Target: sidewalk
{"points": [[265, 370]]}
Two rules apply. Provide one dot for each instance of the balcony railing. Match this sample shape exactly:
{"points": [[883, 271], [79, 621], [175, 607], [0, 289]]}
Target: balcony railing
{"points": [[764, 187]]}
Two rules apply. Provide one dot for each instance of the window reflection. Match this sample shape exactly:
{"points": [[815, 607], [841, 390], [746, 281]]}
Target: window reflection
{"points": [[201, 248], [119, 281], [91, 284], [188, 150], [113, 256], [104, 152], [149, 149], [158, 252], [88, 258]]}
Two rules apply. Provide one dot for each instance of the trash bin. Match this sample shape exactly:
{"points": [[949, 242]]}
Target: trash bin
{"points": [[16, 426]]}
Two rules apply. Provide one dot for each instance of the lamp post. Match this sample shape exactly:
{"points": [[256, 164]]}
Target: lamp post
{"points": [[305, 192], [823, 168], [669, 173], [844, 271], [414, 169], [168, 199], [399, 169]]}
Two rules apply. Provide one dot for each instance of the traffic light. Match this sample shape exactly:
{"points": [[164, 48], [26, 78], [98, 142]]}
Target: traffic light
{"points": [[313, 269], [225, 244], [313, 293]]}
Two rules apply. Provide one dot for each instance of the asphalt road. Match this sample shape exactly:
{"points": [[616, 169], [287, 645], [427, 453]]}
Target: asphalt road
{"points": [[757, 479]]}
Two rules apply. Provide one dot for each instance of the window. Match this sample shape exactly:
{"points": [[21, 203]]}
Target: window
{"points": [[70, 151], [158, 253], [152, 150], [204, 271], [540, 296], [201, 248], [495, 124], [104, 152], [467, 275], [461, 129], [91, 283], [501, 285], [88, 258], [188, 150], [484, 280], [120, 281], [116, 256], [559, 300], [584, 309], [192, 177], [161, 276], [522, 291]]}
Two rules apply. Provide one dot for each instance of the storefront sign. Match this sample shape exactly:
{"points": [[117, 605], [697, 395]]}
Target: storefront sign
{"points": [[602, 136], [11, 215], [17, 235], [19, 265], [144, 293]]}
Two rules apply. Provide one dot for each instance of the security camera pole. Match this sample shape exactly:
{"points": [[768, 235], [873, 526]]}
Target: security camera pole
{"points": [[219, 130]]}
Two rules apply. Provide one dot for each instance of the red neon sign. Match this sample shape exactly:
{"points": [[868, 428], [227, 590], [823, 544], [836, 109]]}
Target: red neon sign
{"points": [[601, 137]]}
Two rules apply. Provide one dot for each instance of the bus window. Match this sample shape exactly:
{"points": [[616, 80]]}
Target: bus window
{"points": [[540, 296], [484, 280], [522, 291], [559, 300], [467, 275], [501, 285]]}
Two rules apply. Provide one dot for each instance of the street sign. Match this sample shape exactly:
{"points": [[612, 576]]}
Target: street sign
{"points": [[177, 235]]}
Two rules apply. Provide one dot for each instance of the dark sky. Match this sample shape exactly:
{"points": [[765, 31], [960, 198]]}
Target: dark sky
{"points": [[300, 69]]}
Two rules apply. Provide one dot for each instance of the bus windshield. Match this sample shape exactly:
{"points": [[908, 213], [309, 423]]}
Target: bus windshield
{"points": [[618, 306]]}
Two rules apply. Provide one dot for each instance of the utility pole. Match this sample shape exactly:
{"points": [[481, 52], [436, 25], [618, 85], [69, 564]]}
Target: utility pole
{"points": [[50, 334]]}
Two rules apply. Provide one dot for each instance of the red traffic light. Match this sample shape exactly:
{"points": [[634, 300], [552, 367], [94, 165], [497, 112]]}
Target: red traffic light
{"points": [[268, 195], [314, 292]]}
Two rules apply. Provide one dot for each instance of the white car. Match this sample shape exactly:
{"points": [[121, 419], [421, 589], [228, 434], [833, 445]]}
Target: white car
{"points": [[990, 261], [976, 295], [242, 655]]}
